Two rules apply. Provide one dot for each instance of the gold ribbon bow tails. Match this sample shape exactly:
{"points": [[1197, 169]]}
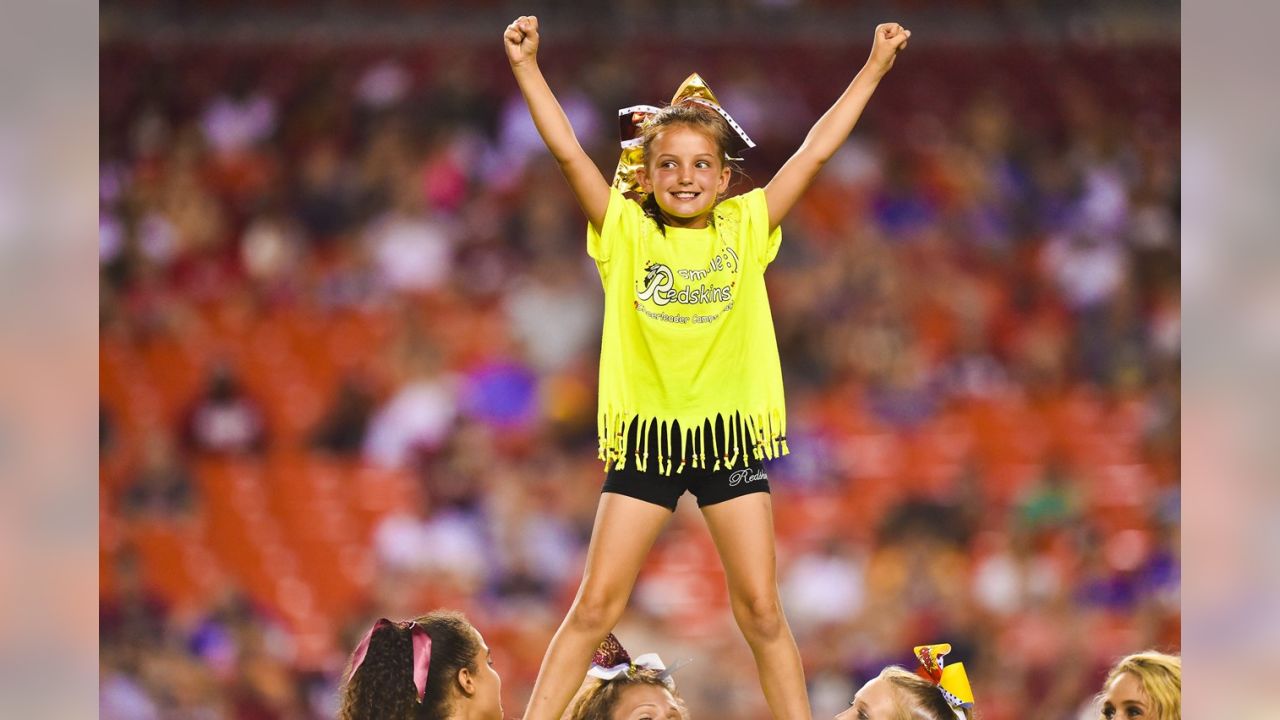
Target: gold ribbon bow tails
{"points": [[951, 680], [631, 122]]}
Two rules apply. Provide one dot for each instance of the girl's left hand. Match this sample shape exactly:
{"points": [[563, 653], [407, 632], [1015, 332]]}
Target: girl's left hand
{"points": [[889, 40]]}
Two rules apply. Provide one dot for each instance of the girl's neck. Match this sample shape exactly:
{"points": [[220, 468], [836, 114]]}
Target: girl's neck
{"points": [[693, 223]]}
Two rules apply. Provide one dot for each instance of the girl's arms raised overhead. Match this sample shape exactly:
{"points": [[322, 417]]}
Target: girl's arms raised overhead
{"points": [[521, 43], [833, 128]]}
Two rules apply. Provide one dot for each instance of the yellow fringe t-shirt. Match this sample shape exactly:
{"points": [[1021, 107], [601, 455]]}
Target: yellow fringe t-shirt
{"points": [[688, 335]]}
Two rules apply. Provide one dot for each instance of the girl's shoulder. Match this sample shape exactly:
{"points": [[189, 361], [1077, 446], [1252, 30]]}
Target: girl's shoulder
{"points": [[742, 199], [625, 214], [630, 205], [734, 213]]}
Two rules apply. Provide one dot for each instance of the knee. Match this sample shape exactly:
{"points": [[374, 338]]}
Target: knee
{"points": [[596, 612], [759, 615]]}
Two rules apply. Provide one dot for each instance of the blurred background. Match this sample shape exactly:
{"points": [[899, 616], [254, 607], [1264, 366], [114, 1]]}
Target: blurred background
{"points": [[349, 334]]}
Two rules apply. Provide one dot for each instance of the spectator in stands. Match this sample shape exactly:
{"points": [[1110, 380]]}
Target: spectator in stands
{"points": [[554, 288], [163, 486], [435, 666], [342, 430], [225, 420], [1147, 685], [133, 614], [325, 193], [420, 415], [121, 693], [270, 250], [826, 585], [239, 117], [411, 246]]}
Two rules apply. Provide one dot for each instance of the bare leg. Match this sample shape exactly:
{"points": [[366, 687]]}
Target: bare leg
{"points": [[624, 531], [743, 532]]}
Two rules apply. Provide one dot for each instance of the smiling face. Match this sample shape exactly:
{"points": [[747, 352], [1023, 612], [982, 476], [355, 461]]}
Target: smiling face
{"points": [[685, 172], [1125, 698], [875, 701], [646, 702]]}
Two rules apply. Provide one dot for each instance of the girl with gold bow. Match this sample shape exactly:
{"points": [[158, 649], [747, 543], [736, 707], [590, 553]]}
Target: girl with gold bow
{"points": [[690, 382], [932, 692]]}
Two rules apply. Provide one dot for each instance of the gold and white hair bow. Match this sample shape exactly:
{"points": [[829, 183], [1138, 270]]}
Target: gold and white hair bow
{"points": [[631, 122], [951, 680]]}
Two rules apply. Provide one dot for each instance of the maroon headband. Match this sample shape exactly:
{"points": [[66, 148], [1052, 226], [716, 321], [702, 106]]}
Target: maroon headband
{"points": [[421, 652]]}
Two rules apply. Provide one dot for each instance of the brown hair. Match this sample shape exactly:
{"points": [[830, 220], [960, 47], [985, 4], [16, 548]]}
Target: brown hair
{"points": [[597, 698], [696, 117], [919, 699], [1161, 678], [383, 686]]}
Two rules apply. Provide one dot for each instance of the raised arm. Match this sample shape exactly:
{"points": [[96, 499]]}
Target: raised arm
{"points": [[521, 43], [833, 128]]}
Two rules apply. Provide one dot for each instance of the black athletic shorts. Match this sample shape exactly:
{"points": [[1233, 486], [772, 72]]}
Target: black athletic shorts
{"points": [[747, 475]]}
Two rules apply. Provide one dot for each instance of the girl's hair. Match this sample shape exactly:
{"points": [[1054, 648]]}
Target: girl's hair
{"points": [[697, 117], [1161, 679], [919, 699], [597, 699], [383, 686]]}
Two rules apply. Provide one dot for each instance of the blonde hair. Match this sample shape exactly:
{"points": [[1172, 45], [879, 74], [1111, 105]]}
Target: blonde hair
{"points": [[916, 698], [1161, 678]]}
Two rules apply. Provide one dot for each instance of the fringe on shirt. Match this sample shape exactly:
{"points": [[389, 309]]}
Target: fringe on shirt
{"points": [[762, 434]]}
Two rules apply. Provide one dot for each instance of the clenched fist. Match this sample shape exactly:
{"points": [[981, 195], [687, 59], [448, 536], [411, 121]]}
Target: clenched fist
{"points": [[889, 40], [521, 40]]}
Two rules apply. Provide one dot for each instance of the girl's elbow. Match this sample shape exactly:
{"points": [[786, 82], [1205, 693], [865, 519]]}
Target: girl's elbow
{"points": [[567, 155], [814, 156], [821, 155]]}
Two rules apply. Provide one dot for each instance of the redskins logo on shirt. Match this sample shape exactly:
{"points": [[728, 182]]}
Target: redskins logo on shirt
{"points": [[658, 282]]}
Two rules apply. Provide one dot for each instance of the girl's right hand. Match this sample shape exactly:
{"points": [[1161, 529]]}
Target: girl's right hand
{"points": [[521, 40]]}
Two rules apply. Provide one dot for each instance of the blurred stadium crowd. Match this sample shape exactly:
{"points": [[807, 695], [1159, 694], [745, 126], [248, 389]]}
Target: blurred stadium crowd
{"points": [[349, 335]]}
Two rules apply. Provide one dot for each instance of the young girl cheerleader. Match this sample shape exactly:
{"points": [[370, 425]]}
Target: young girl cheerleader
{"points": [[932, 692], [435, 667], [1143, 685], [619, 688], [690, 382]]}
